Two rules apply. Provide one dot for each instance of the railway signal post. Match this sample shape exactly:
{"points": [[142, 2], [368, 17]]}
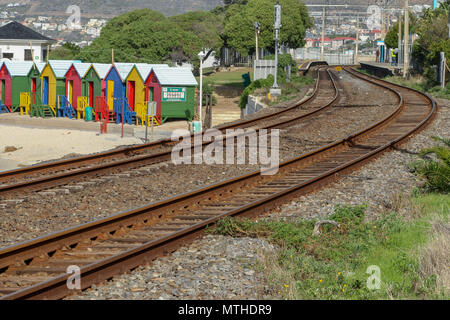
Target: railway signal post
{"points": [[275, 91]]}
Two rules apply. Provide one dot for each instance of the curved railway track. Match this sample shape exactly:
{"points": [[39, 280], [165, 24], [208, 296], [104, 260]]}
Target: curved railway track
{"points": [[54, 174], [36, 269]]}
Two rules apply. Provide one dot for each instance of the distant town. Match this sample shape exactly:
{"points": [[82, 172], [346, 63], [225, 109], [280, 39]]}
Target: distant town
{"points": [[55, 27], [341, 25]]}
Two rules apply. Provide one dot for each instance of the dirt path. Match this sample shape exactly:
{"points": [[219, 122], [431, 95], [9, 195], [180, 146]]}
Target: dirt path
{"points": [[227, 108]]}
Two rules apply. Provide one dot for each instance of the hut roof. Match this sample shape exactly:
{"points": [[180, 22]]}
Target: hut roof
{"points": [[40, 66], [60, 67], [102, 69], [124, 69], [175, 76], [19, 68], [82, 68], [144, 69]]}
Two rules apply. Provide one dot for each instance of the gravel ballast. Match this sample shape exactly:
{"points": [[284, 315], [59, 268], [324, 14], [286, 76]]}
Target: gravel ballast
{"points": [[375, 184], [41, 213]]}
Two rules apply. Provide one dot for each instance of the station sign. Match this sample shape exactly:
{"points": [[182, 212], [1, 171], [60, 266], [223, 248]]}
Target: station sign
{"points": [[380, 43], [173, 94]]}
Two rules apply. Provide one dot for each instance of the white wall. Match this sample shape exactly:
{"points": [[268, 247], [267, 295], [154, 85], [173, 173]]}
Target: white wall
{"points": [[18, 49]]}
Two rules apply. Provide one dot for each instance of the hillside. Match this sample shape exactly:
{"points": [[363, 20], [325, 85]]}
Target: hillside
{"points": [[366, 2], [108, 8]]}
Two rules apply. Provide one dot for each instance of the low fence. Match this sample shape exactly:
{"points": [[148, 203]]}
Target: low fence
{"points": [[339, 58], [263, 68]]}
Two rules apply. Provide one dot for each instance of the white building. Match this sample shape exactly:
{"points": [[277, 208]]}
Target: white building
{"points": [[19, 43]]}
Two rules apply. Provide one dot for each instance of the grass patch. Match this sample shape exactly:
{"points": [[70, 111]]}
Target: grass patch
{"points": [[228, 78], [417, 83], [434, 167], [291, 90], [334, 264]]}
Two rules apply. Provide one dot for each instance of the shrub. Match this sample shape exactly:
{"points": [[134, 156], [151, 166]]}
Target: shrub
{"points": [[435, 170], [208, 89], [284, 60], [262, 83]]}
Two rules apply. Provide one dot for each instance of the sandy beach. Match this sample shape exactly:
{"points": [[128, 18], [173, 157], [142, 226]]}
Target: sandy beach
{"points": [[27, 146]]}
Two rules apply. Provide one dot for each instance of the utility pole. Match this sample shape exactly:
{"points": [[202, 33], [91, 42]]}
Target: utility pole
{"points": [[275, 91], [357, 41], [448, 25], [257, 30], [322, 48], [406, 61], [399, 45], [31, 49], [112, 56]]}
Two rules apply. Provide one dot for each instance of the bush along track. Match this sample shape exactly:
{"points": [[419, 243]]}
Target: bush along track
{"points": [[351, 258], [434, 167], [416, 83]]}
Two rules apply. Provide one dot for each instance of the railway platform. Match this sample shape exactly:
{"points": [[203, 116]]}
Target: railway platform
{"points": [[381, 69]]}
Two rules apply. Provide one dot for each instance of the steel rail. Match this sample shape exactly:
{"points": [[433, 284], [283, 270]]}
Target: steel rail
{"points": [[351, 150], [137, 148]]}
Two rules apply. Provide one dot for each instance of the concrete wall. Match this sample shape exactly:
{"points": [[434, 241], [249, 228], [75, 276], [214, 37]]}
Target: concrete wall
{"points": [[18, 50], [253, 105], [263, 68]]}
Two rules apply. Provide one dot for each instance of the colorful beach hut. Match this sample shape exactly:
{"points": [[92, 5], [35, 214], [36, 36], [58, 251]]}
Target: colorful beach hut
{"points": [[34, 78], [5, 87], [102, 70], [115, 82], [173, 90], [53, 82], [20, 72], [15, 79], [136, 89], [91, 85], [74, 77]]}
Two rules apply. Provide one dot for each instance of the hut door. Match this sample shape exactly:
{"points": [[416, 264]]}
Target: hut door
{"points": [[150, 94], [33, 89], [91, 93], [45, 91], [2, 91], [70, 91], [131, 92], [111, 94]]}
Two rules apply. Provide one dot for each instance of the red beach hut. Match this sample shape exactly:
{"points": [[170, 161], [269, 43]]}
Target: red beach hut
{"points": [[5, 86], [74, 78]]}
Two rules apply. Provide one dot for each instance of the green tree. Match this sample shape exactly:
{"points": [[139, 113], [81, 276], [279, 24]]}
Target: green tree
{"points": [[284, 60], [68, 51], [391, 39], [239, 30], [206, 29], [230, 2], [433, 39], [138, 36]]}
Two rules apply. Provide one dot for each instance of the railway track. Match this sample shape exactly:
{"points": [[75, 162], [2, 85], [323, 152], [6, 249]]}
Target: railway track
{"points": [[54, 174], [36, 269]]}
